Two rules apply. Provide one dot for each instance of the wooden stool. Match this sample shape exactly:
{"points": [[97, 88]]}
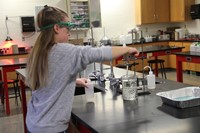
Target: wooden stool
{"points": [[15, 88]]}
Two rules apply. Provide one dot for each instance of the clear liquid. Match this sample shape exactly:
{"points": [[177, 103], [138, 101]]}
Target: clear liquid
{"points": [[184, 98], [129, 91]]}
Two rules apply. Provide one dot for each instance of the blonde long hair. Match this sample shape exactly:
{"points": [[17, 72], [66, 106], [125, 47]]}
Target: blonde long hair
{"points": [[37, 65]]}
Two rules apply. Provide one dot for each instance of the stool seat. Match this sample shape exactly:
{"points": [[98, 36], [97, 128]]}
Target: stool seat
{"points": [[15, 88], [162, 67], [156, 61]]}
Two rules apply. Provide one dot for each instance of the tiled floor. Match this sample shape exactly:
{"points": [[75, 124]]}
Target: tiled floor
{"points": [[14, 122], [188, 78]]}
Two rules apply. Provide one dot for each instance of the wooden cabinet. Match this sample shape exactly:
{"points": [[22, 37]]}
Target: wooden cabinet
{"points": [[151, 11], [197, 67], [172, 58], [162, 11], [187, 65], [180, 10], [145, 11], [190, 66]]}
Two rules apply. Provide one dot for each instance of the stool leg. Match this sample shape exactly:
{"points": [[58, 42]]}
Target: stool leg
{"points": [[164, 71], [17, 86], [15, 89], [129, 68], [2, 94], [161, 68]]}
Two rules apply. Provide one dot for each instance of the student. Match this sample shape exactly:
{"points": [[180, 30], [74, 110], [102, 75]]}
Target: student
{"points": [[52, 70]]}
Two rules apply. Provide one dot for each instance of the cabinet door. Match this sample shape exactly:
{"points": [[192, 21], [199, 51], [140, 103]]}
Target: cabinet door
{"points": [[177, 10], [180, 10], [151, 11], [187, 65], [197, 67], [162, 10], [172, 58], [188, 4], [148, 11]]}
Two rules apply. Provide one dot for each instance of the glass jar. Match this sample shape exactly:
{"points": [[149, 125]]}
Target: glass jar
{"points": [[129, 87]]}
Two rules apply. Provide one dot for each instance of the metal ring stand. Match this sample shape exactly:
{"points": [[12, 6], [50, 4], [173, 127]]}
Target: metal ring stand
{"points": [[144, 92]]}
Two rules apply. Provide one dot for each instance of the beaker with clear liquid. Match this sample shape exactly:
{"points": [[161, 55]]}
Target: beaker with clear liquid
{"points": [[129, 87]]}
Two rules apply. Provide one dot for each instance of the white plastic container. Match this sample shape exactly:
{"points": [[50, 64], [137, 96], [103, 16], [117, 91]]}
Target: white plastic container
{"points": [[89, 92], [195, 47], [180, 32], [128, 39], [176, 35], [122, 39], [151, 80], [148, 39]]}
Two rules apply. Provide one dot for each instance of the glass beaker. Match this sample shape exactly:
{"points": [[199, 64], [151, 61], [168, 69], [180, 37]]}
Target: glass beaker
{"points": [[129, 87]]}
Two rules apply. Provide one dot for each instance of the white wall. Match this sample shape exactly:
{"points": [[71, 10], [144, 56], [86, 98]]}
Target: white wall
{"points": [[16, 8], [117, 18]]}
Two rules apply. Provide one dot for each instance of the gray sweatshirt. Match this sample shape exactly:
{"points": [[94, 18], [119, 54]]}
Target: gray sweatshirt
{"points": [[49, 108]]}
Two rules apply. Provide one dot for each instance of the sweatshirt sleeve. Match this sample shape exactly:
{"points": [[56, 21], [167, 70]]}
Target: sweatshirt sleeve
{"points": [[80, 56], [87, 55]]}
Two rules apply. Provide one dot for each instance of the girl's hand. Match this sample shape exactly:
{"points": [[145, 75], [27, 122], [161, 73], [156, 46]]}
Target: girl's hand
{"points": [[134, 51], [81, 82]]}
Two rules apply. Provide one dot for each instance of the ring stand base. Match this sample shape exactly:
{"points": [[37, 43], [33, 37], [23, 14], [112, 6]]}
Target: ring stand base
{"points": [[140, 93], [143, 93]]}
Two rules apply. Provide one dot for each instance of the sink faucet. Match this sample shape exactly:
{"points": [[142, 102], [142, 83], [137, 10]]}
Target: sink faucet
{"points": [[115, 83], [111, 75]]}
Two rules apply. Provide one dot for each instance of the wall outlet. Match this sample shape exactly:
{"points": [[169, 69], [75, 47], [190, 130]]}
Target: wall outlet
{"points": [[23, 38]]}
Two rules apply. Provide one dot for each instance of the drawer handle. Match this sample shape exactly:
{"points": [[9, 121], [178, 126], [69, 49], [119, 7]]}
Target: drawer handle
{"points": [[188, 59], [168, 52]]}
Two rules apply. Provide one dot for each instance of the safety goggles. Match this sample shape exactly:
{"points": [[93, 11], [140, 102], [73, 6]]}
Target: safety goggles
{"points": [[68, 25]]}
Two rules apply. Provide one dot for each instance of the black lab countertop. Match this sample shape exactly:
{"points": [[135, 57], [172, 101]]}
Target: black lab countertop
{"points": [[109, 113]]}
